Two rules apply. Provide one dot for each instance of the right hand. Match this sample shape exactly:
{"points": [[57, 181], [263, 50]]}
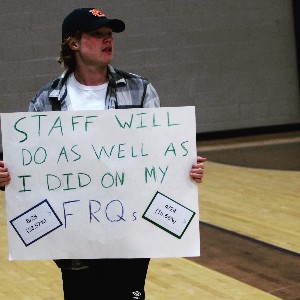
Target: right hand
{"points": [[4, 175]]}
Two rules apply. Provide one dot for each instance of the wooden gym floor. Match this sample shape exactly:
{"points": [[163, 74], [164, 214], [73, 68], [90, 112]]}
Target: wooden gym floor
{"points": [[249, 228]]}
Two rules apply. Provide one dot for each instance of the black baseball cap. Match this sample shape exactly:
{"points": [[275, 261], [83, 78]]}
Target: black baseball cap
{"points": [[88, 19]]}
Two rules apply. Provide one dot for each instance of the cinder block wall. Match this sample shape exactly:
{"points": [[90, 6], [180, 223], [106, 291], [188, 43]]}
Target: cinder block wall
{"points": [[234, 60]]}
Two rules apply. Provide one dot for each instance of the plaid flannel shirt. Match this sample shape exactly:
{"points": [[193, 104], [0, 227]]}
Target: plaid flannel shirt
{"points": [[125, 90]]}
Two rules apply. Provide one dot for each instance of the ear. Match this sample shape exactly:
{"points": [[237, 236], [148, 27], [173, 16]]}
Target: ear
{"points": [[73, 44]]}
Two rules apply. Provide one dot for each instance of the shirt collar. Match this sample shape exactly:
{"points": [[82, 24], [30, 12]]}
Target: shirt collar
{"points": [[59, 85]]}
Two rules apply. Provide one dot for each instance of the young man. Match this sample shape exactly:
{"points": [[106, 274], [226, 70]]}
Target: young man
{"points": [[90, 82]]}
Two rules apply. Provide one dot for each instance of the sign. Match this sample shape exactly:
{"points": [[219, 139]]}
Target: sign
{"points": [[169, 215], [36, 223], [101, 184]]}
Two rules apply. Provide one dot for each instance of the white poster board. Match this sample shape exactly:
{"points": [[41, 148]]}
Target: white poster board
{"points": [[101, 184]]}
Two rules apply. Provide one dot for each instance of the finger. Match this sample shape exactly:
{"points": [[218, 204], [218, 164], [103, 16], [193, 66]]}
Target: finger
{"points": [[198, 167], [3, 170], [200, 162], [196, 174], [4, 183], [201, 159], [4, 174], [4, 179], [197, 180]]}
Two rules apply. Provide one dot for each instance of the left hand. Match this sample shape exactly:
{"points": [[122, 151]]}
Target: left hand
{"points": [[197, 170]]}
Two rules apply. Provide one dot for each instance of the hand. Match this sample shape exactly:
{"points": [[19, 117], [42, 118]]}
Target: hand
{"points": [[197, 170], [4, 175]]}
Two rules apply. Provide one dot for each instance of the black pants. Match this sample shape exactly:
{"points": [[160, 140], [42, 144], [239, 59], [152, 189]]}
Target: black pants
{"points": [[116, 279]]}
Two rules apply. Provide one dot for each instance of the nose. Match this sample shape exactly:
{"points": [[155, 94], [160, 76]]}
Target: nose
{"points": [[108, 37]]}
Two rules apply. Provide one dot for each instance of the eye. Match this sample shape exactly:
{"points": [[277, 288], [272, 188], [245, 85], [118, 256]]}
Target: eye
{"points": [[98, 33], [101, 34]]}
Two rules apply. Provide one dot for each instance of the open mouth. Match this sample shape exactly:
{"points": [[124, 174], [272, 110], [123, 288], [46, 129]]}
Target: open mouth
{"points": [[107, 50]]}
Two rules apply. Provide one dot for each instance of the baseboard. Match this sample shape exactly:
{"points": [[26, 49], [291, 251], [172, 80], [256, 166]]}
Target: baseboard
{"points": [[247, 132]]}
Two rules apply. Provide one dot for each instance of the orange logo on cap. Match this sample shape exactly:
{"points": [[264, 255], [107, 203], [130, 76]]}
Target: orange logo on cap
{"points": [[97, 13]]}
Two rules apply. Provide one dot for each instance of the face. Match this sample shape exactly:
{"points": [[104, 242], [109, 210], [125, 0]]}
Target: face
{"points": [[96, 47]]}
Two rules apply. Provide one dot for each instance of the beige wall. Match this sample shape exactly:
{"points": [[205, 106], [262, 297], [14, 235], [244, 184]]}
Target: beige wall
{"points": [[234, 60]]}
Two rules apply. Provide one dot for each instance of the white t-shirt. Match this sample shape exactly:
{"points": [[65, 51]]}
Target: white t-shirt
{"points": [[85, 97]]}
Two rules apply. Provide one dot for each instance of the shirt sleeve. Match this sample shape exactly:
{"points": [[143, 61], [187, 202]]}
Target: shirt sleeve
{"points": [[151, 98]]}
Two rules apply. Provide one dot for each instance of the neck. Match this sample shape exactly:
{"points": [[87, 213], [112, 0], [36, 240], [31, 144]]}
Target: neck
{"points": [[91, 76]]}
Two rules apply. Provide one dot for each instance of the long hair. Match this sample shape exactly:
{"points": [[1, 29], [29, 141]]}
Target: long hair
{"points": [[67, 56]]}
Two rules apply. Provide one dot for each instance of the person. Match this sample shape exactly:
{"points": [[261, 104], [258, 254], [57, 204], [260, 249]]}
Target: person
{"points": [[89, 81]]}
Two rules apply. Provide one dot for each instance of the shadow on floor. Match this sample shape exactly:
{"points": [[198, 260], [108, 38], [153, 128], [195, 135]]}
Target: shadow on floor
{"points": [[262, 266]]}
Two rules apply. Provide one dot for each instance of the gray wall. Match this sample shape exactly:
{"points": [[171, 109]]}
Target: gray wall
{"points": [[235, 60]]}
